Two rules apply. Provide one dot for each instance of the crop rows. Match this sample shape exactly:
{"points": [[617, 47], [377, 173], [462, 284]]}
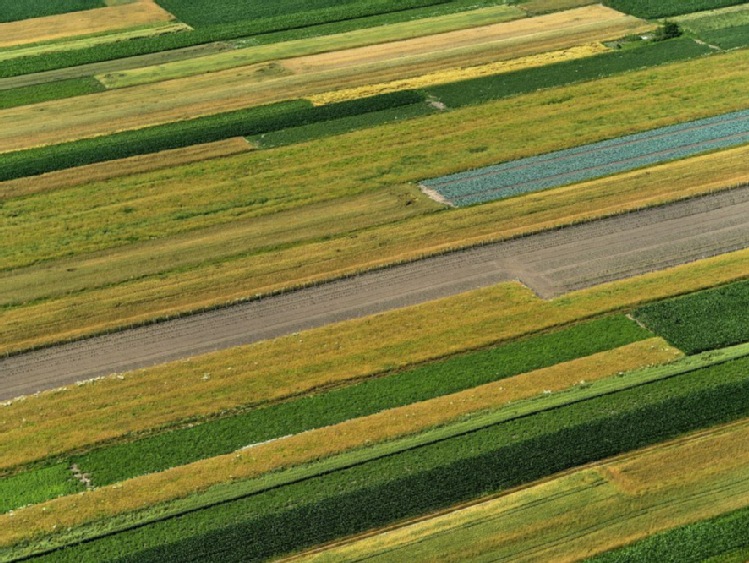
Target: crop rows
{"points": [[485, 89], [727, 534], [253, 121], [701, 321], [11, 10], [588, 162], [666, 8], [179, 447], [231, 31], [437, 475]]}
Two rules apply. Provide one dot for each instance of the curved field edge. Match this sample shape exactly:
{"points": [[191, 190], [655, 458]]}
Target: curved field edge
{"points": [[523, 395], [595, 508], [54, 422]]}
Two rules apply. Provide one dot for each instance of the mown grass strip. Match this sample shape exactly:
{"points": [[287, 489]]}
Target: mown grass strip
{"points": [[701, 321], [45, 92], [694, 542], [438, 474], [208, 129]]}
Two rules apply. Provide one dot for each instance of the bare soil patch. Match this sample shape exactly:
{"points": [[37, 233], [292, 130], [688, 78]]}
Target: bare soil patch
{"points": [[551, 263]]}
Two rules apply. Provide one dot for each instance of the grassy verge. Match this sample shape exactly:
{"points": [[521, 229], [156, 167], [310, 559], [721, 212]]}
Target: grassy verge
{"points": [[468, 465], [588, 510], [45, 92], [706, 320]]}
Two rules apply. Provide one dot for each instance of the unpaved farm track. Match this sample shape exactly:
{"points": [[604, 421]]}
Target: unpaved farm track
{"points": [[551, 263]]}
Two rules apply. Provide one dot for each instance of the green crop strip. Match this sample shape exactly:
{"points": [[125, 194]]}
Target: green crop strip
{"points": [[729, 38], [45, 92], [231, 31], [700, 541], [450, 465], [13, 10], [251, 121], [37, 486], [179, 447], [705, 320], [485, 89], [667, 8]]}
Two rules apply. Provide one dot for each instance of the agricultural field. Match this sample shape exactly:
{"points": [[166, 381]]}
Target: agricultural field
{"points": [[479, 266]]}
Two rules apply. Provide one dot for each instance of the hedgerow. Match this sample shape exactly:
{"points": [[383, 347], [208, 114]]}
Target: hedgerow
{"points": [[13, 10], [239, 123], [692, 543], [706, 320], [434, 476]]}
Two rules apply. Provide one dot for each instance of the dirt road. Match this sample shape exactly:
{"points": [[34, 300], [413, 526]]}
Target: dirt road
{"points": [[551, 263]]}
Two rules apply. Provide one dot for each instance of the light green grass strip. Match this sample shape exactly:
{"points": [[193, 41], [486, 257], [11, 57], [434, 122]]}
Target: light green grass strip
{"points": [[311, 46], [712, 20], [233, 491]]}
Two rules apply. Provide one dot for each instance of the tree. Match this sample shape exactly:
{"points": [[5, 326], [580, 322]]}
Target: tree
{"points": [[668, 30]]}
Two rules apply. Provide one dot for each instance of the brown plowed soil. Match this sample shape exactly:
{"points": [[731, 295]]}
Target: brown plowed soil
{"points": [[551, 263]]}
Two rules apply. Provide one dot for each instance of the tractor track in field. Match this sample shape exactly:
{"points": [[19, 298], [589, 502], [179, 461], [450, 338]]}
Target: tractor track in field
{"points": [[551, 263]]}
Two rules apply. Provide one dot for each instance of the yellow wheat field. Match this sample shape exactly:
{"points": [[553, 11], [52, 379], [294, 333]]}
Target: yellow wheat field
{"points": [[457, 74]]}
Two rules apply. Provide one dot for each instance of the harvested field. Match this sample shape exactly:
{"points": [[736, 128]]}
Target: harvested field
{"points": [[118, 168], [592, 161], [551, 263], [99, 295], [99, 20], [454, 75], [584, 512], [223, 91]]}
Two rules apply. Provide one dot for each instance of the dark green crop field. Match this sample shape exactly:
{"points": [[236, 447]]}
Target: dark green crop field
{"points": [[14, 10]]}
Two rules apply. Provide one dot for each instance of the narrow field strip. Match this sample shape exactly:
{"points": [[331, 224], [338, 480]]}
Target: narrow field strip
{"points": [[112, 463], [24, 187], [45, 92], [550, 263], [468, 459], [588, 162], [464, 73], [52, 423], [712, 20], [588, 510], [248, 86], [74, 24], [300, 47], [521, 396], [66, 45]]}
